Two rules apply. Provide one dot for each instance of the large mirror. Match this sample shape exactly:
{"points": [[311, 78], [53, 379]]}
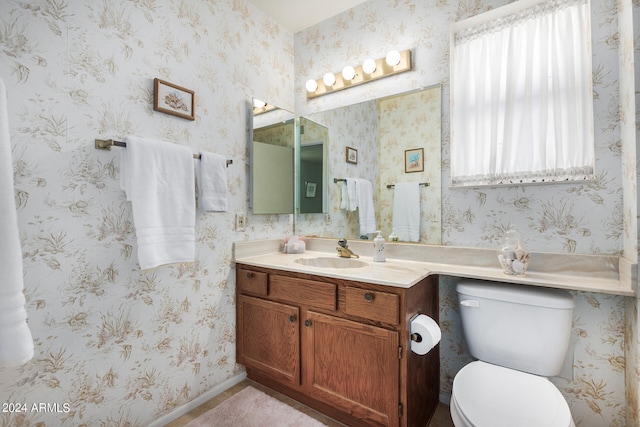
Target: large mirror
{"points": [[271, 152], [378, 140]]}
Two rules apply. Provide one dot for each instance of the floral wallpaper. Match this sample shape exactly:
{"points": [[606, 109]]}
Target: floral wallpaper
{"points": [[600, 383], [116, 346]]}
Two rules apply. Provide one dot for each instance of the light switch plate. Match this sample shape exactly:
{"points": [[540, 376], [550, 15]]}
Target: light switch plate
{"points": [[241, 222]]}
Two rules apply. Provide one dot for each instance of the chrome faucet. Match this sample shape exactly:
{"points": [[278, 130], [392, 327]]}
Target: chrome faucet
{"points": [[344, 251]]}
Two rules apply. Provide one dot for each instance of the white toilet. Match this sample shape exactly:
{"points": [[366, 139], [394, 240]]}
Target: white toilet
{"points": [[520, 334]]}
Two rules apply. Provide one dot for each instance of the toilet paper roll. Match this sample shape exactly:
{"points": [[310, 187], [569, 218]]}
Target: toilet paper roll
{"points": [[425, 334]]}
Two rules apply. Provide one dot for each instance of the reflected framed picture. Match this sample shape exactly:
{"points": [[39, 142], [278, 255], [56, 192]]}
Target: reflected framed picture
{"points": [[172, 99], [352, 155], [311, 189], [414, 160]]}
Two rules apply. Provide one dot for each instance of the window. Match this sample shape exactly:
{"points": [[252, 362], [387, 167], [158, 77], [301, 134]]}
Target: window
{"points": [[521, 94]]}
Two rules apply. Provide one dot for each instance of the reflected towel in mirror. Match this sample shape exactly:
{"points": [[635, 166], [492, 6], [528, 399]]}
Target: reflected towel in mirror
{"points": [[406, 211]]}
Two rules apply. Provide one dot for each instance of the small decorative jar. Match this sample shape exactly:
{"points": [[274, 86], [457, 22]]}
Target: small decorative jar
{"points": [[512, 256]]}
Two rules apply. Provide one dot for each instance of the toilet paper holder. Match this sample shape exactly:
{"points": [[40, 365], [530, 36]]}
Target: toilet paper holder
{"points": [[416, 337]]}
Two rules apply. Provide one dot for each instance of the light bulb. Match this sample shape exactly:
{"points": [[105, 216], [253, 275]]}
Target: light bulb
{"points": [[348, 72], [393, 58], [258, 104], [329, 79], [311, 85], [369, 66]]}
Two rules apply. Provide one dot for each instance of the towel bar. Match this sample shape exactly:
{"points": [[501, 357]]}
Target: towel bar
{"points": [[422, 184], [106, 144]]}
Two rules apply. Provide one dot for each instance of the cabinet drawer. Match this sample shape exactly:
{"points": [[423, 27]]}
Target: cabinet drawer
{"points": [[303, 292], [373, 305], [252, 282]]}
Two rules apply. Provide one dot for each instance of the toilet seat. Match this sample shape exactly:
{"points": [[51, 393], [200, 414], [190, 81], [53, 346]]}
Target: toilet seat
{"points": [[493, 396]]}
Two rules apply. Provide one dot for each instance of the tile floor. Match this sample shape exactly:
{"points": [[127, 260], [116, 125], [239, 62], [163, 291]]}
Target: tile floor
{"points": [[440, 419]]}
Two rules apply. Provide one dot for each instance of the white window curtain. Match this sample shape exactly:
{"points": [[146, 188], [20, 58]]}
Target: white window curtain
{"points": [[521, 94]]}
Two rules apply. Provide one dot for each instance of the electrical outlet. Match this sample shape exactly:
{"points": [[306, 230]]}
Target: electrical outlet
{"points": [[241, 222]]}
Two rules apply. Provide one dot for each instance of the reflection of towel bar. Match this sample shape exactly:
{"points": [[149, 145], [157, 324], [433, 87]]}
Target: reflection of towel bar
{"points": [[106, 144], [422, 184]]}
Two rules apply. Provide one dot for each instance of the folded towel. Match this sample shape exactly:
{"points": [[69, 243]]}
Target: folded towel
{"points": [[158, 179], [16, 342], [212, 182], [406, 211], [366, 211], [352, 194]]}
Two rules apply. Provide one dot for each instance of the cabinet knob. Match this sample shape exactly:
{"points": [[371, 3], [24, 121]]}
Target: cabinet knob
{"points": [[292, 318], [307, 323], [249, 274], [368, 297]]}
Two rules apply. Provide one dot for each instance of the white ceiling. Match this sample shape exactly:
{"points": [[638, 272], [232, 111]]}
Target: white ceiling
{"points": [[296, 15]]}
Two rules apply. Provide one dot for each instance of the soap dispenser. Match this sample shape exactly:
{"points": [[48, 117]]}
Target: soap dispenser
{"points": [[378, 247]]}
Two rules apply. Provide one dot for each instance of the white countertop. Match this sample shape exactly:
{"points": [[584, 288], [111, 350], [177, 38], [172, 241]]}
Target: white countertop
{"points": [[407, 264], [396, 273]]}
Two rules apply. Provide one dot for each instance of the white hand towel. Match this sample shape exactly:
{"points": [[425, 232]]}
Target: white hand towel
{"points": [[406, 211], [158, 179], [16, 342], [212, 182], [366, 211], [344, 196], [352, 194]]}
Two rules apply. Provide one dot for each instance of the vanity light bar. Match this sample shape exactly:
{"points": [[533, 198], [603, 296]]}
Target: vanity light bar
{"points": [[382, 69]]}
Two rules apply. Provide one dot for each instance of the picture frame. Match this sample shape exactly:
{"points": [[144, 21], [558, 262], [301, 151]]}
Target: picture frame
{"points": [[351, 155], [311, 189], [172, 99], [414, 160]]}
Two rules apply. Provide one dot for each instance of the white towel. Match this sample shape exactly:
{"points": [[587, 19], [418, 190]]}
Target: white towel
{"points": [[352, 194], [158, 179], [406, 211], [16, 342], [344, 196], [366, 211], [212, 182]]}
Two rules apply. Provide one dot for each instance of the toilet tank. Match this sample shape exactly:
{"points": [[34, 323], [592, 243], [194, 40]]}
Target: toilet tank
{"points": [[526, 328]]}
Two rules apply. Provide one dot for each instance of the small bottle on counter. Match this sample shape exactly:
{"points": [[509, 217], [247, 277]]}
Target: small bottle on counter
{"points": [[378, 248], [393, 236]]}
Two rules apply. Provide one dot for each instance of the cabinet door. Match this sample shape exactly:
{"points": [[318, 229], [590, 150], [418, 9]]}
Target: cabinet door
{"points": [[269, 338], [352, 366]]}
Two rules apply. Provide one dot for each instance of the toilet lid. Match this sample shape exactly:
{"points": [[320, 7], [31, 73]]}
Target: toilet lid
{"points": [[490, 395]]}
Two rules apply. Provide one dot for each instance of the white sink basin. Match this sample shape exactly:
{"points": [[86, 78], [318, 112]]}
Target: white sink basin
{"points": [[331, 262]]}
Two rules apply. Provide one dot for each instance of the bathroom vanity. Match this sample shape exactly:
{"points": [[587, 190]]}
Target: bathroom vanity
{"points": [[340, 346], [334, 333]]}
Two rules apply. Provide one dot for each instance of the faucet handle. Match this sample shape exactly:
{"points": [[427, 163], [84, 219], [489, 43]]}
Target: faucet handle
{"points": [[342, 243]]}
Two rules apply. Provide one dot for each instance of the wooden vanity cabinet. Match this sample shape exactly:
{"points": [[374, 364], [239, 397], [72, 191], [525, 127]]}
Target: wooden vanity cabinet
{"points": [[339, 346]]}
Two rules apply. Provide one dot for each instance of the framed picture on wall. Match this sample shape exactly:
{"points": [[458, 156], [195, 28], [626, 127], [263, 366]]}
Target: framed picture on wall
{"points": [[311, 189], [352, 155], [414, 160], [173, 99]]}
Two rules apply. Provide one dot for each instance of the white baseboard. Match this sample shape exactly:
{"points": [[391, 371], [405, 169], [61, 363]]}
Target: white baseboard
{"points": [[180, 411]]}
